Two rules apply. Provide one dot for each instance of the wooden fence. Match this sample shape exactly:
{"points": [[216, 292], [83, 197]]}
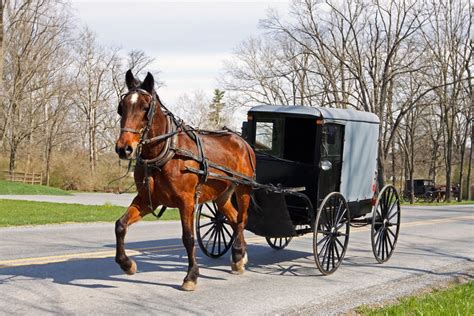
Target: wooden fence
{"points": [[24, 177]]}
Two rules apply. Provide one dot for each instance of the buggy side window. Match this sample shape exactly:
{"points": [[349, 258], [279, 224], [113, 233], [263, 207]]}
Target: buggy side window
{"points": [[264, 136], [268, 134]]}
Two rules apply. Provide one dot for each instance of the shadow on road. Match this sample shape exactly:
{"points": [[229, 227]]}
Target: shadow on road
{"points": [[169, 256], [155, 256]]}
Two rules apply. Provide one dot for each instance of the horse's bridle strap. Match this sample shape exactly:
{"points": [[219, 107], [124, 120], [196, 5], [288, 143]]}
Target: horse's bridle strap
{"points": [[131, 130]]}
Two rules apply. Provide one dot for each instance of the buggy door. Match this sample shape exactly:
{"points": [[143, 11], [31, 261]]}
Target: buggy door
{"points": [[332, 144]]}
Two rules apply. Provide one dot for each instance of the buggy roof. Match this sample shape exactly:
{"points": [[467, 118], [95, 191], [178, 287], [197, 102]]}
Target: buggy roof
{"points": [[318, 112]]}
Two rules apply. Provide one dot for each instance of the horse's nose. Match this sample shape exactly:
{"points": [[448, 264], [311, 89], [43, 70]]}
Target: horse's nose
{"points": [[128, 150], [124, 152]]}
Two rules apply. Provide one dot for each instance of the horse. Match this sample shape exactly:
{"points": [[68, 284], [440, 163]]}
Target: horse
{"points": [[166, 150]]}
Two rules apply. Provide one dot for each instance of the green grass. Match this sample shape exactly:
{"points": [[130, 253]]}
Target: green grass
{"points": [[463, 202], [17, 213], [8, 187], [457, 300]]}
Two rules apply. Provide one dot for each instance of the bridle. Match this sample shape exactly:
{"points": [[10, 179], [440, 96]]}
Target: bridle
{"points": [[174, 127], [150, 113]]}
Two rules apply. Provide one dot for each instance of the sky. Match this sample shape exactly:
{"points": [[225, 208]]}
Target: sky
{"points": [[188, 39]]}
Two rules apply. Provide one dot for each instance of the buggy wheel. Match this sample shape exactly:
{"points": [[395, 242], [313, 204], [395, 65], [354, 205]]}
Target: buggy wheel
{"points": [[278, 242], [429, 197], [331, 233], [385, 223], [214, 233]]}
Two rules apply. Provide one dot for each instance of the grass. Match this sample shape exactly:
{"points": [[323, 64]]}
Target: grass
{"points": [[17, 213], [463, 202], [8, 187], [457, 300]]}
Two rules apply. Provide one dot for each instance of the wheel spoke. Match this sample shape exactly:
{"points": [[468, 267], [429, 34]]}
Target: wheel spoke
{"points": [[208, 231], [341, 224], [204, 225], [324, 247], [383, 245], [210, 209], [390, 231], [332, 254], [227, 231], [337, 250], [323, 239], [206, 215], [339, 242], [219, 241], [378, 243], [339, 218], [386, 246], [210, 237], [390, 209], [328, 254], [214, 241], [394, 214], [223, 237], [389, 241]]}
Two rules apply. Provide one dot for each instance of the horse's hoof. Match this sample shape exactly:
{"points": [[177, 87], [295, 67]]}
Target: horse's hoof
{"points": [[239, 267], [237, 270], [133, 269], [188, 286]]}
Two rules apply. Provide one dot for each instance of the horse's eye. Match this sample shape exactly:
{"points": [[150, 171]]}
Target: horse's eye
{"points": [[119, 110]]}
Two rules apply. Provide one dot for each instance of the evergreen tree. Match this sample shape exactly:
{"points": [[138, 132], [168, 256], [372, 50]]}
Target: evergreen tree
{"points": [[215, 118]]}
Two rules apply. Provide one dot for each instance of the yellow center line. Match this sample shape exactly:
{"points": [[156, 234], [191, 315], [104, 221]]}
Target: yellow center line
{"points": [[138, 251]]}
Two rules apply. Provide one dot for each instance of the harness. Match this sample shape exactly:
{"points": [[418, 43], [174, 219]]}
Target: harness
{"points": [[175, 127]]}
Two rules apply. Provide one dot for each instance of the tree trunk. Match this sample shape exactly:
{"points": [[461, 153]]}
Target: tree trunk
{"points": [[48, 165], [449, 158], [461, 167], [13, 151], [1, 52], [461, 172], [469, 168], [412, 161]]}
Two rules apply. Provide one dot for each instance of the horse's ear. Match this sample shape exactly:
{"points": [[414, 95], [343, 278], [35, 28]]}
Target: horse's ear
{"points": [[130, 80], [149, 83]]}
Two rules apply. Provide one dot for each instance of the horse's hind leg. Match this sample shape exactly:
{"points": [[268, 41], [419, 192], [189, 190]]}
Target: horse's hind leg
{"points": [[239, 251], [133, 214], [187, 221]]}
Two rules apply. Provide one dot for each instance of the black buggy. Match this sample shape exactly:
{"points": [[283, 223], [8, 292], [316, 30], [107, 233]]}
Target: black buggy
{"points": [[316, 173]]}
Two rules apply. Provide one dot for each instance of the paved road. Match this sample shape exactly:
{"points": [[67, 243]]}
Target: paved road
{"points": [[70, 269], [78, 198]]}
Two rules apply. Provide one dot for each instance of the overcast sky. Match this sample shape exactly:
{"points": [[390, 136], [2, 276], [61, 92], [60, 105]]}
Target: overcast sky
{"points": [[188, 39]]}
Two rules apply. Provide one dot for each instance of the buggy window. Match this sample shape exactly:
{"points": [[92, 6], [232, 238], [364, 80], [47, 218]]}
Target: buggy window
{"points": [[332, 142], [264, 136], [267, 136]]}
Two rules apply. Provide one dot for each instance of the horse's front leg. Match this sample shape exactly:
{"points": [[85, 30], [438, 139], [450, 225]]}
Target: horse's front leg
{"points": [[187, 221], [134, 213]]}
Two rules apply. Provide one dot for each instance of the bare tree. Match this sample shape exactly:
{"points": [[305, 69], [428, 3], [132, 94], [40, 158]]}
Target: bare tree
{"points": [[1, 51], [35, 33], [95, 93], [370, 42], [447, 39]]}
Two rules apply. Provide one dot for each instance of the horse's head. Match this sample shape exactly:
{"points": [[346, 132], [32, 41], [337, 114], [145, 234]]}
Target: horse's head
{"points": [[135, 111]]}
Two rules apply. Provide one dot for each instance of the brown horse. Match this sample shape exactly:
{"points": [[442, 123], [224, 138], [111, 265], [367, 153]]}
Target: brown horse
{"points": [[169, 182]]}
